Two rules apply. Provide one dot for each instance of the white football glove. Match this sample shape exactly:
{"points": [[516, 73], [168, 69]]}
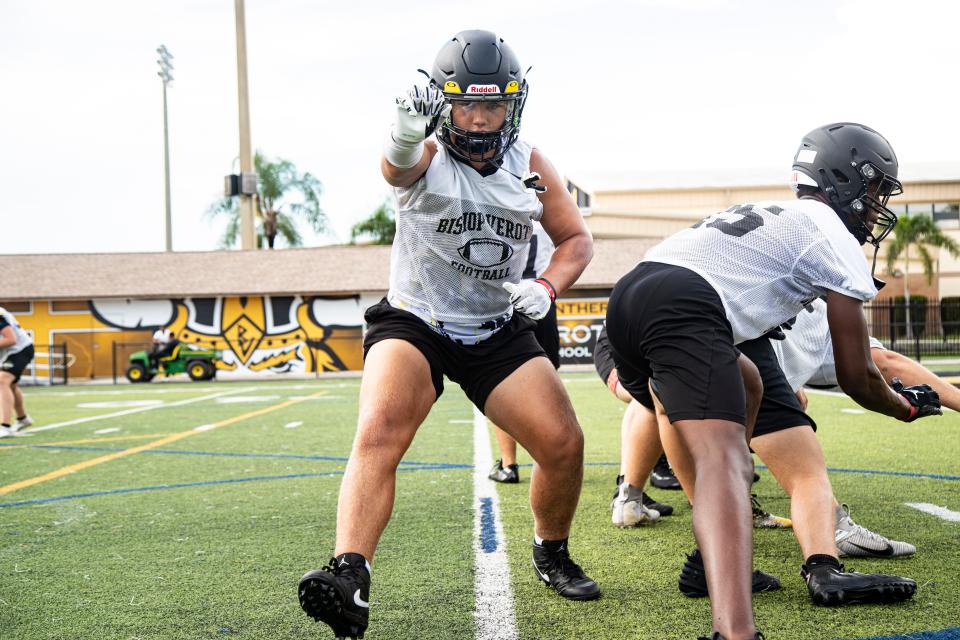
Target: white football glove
{"points": [[419, 111], [529, 297]]}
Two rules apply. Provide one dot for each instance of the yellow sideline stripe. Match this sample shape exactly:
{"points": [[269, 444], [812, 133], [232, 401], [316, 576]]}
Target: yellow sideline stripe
{"points": [[87, 441], [173, 437]]}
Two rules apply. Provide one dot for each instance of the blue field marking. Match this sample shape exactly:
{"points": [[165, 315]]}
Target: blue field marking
{"points": [[488, 531], [227, 454], [872, 472], [206, 483], [946, 634]]}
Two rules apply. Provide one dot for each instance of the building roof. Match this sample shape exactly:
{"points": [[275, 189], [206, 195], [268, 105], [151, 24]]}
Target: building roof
{"points": [[743, 177], [333, 270]]}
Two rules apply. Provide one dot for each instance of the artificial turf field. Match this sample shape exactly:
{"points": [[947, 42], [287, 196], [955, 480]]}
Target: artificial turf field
{"points": [[205, 533]]}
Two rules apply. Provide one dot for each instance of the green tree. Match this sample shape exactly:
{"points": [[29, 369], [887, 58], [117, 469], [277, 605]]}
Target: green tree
{"points": [[379, 228], [283, 195], [916, 232]]}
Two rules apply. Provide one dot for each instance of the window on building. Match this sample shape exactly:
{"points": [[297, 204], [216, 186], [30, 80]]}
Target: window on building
{"points": [[949, 212], [920, 208]]}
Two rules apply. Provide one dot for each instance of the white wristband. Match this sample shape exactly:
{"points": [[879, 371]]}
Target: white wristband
{"points": [[400, 154]]}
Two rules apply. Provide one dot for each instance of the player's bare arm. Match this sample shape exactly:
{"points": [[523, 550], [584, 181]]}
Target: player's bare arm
{"points": [[565, 226], [7, 337], [856, 372]]}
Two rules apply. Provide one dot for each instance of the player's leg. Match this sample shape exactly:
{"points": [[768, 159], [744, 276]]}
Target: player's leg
{"points": [[639, 450], [392, 407], [396, 393], [505, 469], [894, 365], [7, 382], [796, 460], [552, 436]]}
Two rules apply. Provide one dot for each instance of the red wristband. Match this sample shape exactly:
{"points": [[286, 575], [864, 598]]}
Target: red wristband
{"points": [[913, 409], [549, 287]]}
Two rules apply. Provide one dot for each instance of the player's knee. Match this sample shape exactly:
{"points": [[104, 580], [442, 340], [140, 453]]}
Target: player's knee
{"points": [[382, 437], [563, 450]]}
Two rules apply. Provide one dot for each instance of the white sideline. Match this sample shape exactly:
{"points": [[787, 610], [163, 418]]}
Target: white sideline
{"points": [[934, 510], [57, 425], [494, 615]]}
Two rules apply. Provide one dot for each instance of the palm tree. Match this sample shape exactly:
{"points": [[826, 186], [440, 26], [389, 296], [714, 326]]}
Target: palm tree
{"points": [[917, 231], [275, 213], [379, 228]]}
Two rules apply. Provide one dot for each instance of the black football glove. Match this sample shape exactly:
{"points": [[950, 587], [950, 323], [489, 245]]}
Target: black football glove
{"points": [[924, 401], [777, 333]]}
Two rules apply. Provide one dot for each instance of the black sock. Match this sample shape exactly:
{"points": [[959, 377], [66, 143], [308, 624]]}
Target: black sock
{"points": [[820, 559], [23, 417], [4, 424], [552, 545], [354, 560]]}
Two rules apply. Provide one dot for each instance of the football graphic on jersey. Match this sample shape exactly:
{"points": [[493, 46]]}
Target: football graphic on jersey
{"points": [[485, 252]]}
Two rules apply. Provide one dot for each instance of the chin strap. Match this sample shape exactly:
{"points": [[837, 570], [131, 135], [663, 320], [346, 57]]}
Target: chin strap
{"points": [[529, 179]]}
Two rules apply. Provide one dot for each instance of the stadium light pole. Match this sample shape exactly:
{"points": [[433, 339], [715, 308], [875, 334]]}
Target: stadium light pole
{"points": [[166, 67], [247, 231]]}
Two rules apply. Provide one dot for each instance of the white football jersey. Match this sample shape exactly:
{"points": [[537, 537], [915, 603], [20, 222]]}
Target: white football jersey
{"points": [[806, 353], [770, 259], [460, 236], [23, 339]]}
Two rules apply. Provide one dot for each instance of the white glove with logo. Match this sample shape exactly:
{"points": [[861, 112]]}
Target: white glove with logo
{"points": [[419, 111], [530, 297]]}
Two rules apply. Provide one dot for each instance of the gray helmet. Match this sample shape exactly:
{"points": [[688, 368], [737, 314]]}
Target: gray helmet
{"points": [[479, 66], [856, 170]]}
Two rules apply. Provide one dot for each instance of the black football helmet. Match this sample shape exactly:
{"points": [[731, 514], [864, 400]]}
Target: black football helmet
{"points": [[479, 66], [856, 170]]}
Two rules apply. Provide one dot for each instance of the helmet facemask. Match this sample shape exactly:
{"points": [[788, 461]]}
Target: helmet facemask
{"points": [[483, 146], [878, 188]]}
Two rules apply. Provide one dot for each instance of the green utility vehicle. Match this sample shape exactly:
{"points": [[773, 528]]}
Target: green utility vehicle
{"points": [[199, 364]]}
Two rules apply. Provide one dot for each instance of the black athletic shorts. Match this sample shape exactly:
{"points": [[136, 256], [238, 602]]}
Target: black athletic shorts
{"points": [[548, 335], [15, 364], [478, 368], [779, 408], [603, 361], [667, 323]]}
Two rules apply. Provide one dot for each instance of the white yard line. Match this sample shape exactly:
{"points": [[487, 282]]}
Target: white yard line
{"points": [[115, 414], [494, 615], [934, 510]]}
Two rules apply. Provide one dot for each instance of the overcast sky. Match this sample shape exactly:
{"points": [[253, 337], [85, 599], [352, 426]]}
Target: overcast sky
{"points": [[682, 86]]}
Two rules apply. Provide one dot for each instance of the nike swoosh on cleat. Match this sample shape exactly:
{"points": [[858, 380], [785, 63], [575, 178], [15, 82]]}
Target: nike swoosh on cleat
{"points": [[357, 600], [885, 552]]}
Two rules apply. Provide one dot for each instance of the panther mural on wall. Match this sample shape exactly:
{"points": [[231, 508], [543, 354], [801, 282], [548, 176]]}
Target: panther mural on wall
{"points": [[277, 334]]}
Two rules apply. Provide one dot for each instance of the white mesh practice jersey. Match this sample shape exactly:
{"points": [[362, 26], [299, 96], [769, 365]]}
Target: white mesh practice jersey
{"points": [[768, 260], [22, 337], [806, 353], [460, 236]]}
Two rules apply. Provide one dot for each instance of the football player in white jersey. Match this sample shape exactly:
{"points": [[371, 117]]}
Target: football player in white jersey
{"points": [[16, 352], [676, 318], [457, 306]]}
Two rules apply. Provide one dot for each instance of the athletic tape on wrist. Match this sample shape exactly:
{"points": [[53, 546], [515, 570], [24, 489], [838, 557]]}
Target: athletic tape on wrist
{"points": [[402, 155]]}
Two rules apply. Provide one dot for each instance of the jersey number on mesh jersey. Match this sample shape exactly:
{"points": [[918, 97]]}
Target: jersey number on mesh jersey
{"points": [[737, 221]]}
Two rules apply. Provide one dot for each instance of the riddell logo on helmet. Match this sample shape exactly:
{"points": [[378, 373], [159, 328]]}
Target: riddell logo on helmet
{"points": [[483, 88]]}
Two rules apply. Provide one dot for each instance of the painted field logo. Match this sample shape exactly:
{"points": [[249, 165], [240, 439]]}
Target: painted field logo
{"points": [[485, 252]]}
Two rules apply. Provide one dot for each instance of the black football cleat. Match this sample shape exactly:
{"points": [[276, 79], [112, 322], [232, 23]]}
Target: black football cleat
{"points": [[662, 476], [338, 595], [509, 474], [693, 578], [830, 586], [650, 503], [716, 636], [559, 572]]}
